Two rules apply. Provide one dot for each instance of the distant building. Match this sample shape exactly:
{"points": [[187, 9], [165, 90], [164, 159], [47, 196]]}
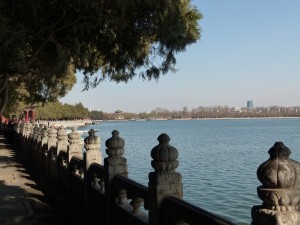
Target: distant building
{"points": [[250, 104], [29, 114]]}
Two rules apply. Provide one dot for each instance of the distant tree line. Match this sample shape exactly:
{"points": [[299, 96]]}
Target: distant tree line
{"points": [[201, 112], [59, 111]]}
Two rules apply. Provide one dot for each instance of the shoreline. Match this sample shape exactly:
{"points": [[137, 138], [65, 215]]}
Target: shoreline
{"points": [[81, 123], [221, 118], [66, 123]]}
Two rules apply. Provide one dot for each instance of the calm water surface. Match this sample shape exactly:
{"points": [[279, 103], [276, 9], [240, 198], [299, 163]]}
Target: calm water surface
{"points": [[218, 159]]}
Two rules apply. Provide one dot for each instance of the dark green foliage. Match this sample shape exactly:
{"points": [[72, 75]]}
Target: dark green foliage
{"points": [[97, 115], [57, 111], [43, 43]]}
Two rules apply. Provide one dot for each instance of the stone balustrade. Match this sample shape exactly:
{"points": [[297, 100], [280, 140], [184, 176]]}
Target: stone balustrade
{"points": [[110, 197]]}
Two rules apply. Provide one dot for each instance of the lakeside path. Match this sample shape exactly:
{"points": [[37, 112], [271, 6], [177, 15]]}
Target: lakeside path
{"points": [[22, 197]]}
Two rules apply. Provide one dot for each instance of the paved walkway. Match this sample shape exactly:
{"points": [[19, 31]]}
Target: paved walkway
{"points": [[22, 197]]}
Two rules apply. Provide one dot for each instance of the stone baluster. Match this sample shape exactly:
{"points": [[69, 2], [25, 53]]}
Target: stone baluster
{"points": [[24, 132], [74, 149], [35, 132], [115, 163], [33, 140], [164, 181], [62, 143], [22, 128], [28, 130], [24, 136], [17, 127], [43, 147], [136, 204], [122, 197], [95, 181], [280, 189], [51, 148], [52, 141], [16, 133], [44, 137], [39, 135], [92, 146], [102, 184], [28, 135], [38, 142]]}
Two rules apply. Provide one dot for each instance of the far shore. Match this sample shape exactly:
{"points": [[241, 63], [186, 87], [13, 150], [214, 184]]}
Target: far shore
{"points": [[80, 123], [65, 123]]}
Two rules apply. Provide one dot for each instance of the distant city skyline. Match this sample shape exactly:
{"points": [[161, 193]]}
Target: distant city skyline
{"points": [[249, 50]]}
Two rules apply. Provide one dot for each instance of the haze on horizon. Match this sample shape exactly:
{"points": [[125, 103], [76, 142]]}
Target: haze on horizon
{"points": [[249, 50]]}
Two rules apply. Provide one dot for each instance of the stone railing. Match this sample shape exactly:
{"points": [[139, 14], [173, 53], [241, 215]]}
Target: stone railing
{"points": [[106, 193]]}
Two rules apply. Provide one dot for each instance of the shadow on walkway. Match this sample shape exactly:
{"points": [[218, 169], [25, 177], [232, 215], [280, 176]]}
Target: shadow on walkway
{"points": [[23, 198]]}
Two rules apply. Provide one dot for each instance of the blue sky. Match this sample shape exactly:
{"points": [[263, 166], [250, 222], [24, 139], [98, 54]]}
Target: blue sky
{"points": [[249, 50]]}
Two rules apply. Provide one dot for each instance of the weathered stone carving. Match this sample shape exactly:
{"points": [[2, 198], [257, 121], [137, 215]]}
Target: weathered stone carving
{"points": [[44, 137], [35, 132], [28, 130], [92, 146], [122, 196], [74, 149], [62, 143], [17, 127], [164, 180], [114, 164], [136, 204], [280, 190], [52, 133], [22, 130]]}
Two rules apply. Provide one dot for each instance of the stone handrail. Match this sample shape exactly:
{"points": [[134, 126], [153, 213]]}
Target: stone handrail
{"points": [[180, 212], [105, 192]]}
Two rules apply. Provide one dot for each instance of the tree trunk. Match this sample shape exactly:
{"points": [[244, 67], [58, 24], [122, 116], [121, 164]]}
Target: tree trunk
{"points": [[3, 93]]}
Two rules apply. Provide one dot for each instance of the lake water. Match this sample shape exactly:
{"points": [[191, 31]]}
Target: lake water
{"points": [[218, 159]]}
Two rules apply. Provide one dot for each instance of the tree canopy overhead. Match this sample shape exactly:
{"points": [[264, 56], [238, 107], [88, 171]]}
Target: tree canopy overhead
{"points": [[43, 43]]}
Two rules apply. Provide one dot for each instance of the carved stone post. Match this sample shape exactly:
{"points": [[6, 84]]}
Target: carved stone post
{"points": [[16, 134], [22, 135], [25, 130], [28, 130], [38, 142], [51, 149], [280, 190], [43, 148], [92, 146], [17, 127], [115, 163], [22, 128], [164, 180], [35, 132], [74, 149], [31, 131], [52, 141], [62, 143], [44, 136]]}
